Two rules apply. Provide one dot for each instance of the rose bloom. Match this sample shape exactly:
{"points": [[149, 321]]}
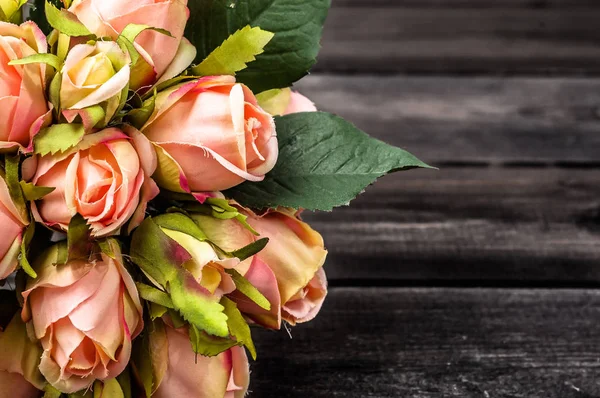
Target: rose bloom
{"points": [[288, 271], [85, 313], [189, 375], [299, 103], [163, 57], [211, 135], [105, 178], [23, 105], [12, 225], [93, 74]]}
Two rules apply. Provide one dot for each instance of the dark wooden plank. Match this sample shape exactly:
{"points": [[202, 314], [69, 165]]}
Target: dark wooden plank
{"points": [[471, 36], [469, 224], [532, 4], [485, 120], [438, 343]]}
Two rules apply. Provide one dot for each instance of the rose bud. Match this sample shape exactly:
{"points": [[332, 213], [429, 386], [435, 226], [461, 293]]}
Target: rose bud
{"points": [[288, 271], [299, 103], [212, 134], [12, 226], [93, 74], [23, 105], [205, 265], [189, 375], [105, 178], [162, 56], [85, 314]]}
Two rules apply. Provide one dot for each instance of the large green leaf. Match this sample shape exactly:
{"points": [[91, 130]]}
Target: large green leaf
{"points": [[297, 26], [324, 162]]}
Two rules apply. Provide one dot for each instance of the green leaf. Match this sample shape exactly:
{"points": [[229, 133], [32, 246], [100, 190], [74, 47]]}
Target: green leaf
{"points": [[141, 360], [33, 192], [235, 53], [54, 92], [208, 346], [79, 242], [58, 138], [124, 380], [181, 223], [139, 116], [324, 162], [161, 258], [48, 59], [128, 36], [275, 101], [157, 311], [251, 249], [12, 165], [108, 389], [64, 21], [154, 295], [297, 26], [238, 327], [51, 392], [25, 242], [247, 289]]}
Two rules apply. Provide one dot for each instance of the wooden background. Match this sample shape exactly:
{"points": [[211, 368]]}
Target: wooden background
{"points": [[480, 279]]}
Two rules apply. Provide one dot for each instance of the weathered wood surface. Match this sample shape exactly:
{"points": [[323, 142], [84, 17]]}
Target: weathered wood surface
{"points": [[438, 343], [458, 120], [477, 225], [432, 36]]}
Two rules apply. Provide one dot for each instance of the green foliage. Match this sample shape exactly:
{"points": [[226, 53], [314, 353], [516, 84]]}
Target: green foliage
{"points": [[235, 53], [250, 250], [243, 286], [238, 327], [58, 138], [291, 53], [33, 192], [324, 162], [64, 21], [48, 59]]}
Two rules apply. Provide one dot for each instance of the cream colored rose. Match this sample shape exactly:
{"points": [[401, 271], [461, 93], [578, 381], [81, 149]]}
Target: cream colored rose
{"points": [[163, 57], [93, 74]]}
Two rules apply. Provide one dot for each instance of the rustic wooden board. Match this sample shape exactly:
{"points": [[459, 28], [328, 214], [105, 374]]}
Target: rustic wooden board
{"points": [[475, 225], [438, 343], [449, 120], [515, 36]]}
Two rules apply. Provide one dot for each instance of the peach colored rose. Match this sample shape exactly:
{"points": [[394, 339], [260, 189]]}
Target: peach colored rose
{"points": [[299, 103], [163, 56], [93, 74], [211, 135], [23, 105], [12, 225], [189, 375], [85, 313], [105, 178], [288, 271]]}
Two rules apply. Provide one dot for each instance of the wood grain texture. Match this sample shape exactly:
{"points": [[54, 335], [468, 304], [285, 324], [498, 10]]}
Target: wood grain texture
{"points": [[469, 224], [515, 36], [438, 343], [471, 120]]}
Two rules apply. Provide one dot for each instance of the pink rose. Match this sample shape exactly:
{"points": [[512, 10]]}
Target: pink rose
{"points": [[23, 105], [164, 57], [288, 271], [85, 313], [189, 375], [211, 135], [105, 178], [299, 103], [12, 225]]}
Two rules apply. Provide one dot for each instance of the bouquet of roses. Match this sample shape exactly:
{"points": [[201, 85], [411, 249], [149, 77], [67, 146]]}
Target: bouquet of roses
{"points": [[154, 164]]}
